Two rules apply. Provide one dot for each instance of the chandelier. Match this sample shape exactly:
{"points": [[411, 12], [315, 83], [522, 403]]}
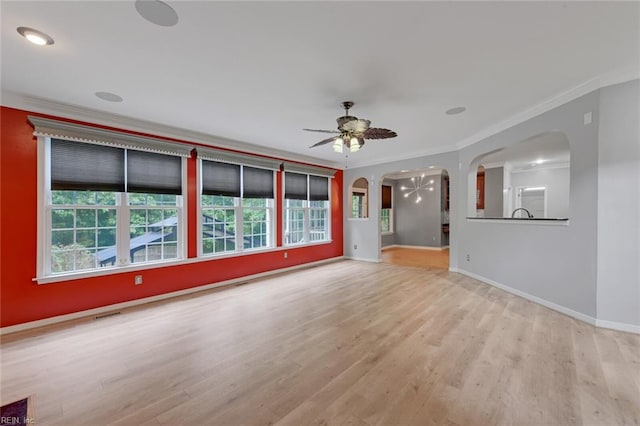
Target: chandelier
{"points": [[419, 183]]}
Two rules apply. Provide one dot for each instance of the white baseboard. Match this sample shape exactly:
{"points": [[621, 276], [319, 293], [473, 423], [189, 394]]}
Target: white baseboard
{"points": [[559, 308], [612, 325], [363, 259], [619, 326], [414, 247], [131, 303]]}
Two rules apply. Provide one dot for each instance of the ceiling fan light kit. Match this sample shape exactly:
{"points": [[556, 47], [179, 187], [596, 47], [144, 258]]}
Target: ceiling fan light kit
{"points": [[352, 132]]}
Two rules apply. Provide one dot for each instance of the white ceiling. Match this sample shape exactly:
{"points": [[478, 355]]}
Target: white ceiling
{"points": [[550, 148], [259, 72]]}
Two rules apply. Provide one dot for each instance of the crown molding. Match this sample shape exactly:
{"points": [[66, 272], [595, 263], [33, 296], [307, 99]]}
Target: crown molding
{"points": [[609, 79], [605, 80], [46, 106], [406, 156], [76, 112]]}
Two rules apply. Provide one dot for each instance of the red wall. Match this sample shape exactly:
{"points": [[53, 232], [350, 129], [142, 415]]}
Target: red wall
{"points": [[22, 300]]}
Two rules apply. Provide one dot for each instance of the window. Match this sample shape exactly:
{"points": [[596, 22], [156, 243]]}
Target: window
{"points": [[386, 213], [236, 207], [95, 193], [153, 227], [358, 203], [359, 199], [106, 199], [83, 230], [306, 208]]}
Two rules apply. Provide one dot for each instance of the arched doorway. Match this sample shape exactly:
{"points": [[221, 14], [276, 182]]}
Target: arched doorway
{"points": [[414, 218]]}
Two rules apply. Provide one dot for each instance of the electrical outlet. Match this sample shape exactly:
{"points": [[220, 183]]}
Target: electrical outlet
{"points": [[355, 247], [468, 258], [138, 280], [286, 255]]}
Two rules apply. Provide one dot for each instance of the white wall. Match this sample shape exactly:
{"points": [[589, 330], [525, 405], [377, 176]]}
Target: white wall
{"points": [[554, 263], [364, 233], [493, 191], [619, 205], [557, 182], [587, 267]]}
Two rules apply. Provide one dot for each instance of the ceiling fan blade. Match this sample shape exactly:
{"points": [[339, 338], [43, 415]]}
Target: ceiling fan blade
{"points": [[324, 141], [377, 133], [321, 131]]}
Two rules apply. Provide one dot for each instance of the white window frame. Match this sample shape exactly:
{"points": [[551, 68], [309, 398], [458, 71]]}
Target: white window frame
{"points": [[391, 230], [307, 216], [391, 227], [239, 219], [44, 227]]}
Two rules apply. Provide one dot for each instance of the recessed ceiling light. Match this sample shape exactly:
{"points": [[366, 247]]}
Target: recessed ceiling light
{"points": [[456, 110], [109, 97], [157, 12], [35, 36]]}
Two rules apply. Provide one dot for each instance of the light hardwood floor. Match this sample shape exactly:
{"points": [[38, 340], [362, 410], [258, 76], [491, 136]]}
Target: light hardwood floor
{"points": [[421, 258], [346, 343]]}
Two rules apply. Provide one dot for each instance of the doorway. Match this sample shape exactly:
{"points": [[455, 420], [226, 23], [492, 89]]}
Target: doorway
{"points": [[414, 218]]}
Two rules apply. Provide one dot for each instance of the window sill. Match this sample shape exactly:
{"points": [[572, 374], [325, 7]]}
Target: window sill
{"points": [[157, 265], [314, 243], [387, 233], [108, 271]]}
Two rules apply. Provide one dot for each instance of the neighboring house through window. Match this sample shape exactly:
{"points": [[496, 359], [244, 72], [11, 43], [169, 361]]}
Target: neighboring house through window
{"points": [[106, 203], [236, 202], [306, 206]]}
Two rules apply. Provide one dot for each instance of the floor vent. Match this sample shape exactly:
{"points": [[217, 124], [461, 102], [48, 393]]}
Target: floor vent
{"points": [[110, 314]]}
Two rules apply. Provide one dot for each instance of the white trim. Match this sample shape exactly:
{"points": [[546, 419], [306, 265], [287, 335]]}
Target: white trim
{"points": [[163, 263], [56, 129], [362, 259], [308, 170], [546, 105], [124, 305], [222, 156], [612, 325], [414, 247], [88, 115], [619, 326], [559, 308]]}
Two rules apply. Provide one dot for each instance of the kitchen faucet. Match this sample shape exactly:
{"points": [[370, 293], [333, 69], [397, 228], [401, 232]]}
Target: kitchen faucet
{"points": [[513, 215]]}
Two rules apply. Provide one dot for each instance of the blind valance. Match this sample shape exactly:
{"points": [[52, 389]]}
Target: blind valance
{"points": [[223, 156], [92, 135], [310, 170]]}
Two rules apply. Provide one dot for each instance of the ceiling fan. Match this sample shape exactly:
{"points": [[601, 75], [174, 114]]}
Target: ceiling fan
{"points": [[352, 132]]}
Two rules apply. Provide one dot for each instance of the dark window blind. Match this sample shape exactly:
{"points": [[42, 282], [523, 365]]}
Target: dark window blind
{"points": [[86, 167], [318, 188], [220, 179], [295, 186], [153, 173], [257, 183], [386, 197]]}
